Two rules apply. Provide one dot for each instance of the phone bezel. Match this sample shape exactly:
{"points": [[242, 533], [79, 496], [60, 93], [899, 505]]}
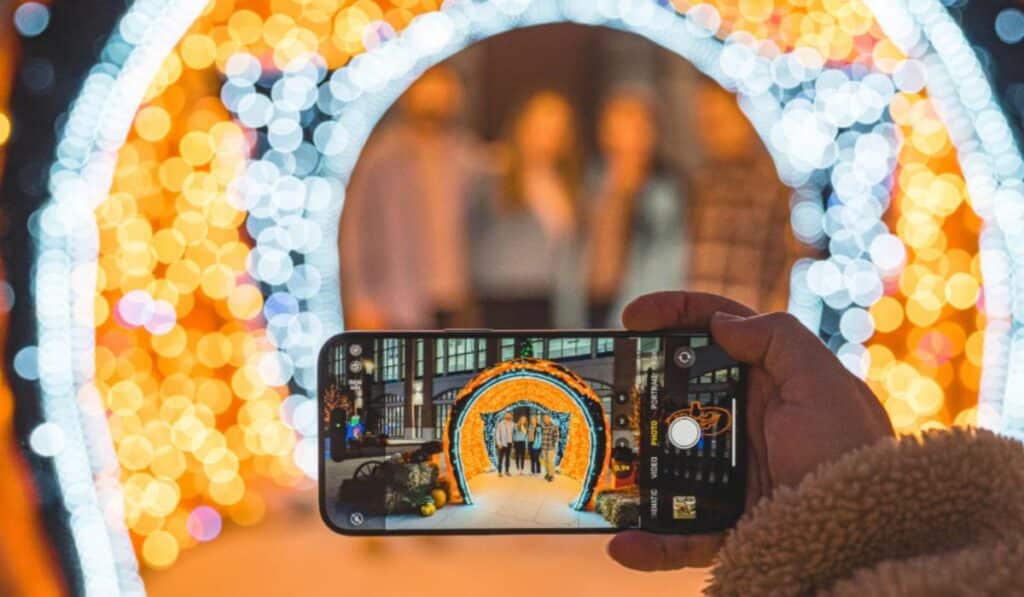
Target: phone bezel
{"points": [[322, 363]]}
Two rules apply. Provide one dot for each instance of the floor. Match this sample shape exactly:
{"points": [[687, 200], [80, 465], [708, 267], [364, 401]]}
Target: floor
{"points": [[514, 502], [292, 553]]}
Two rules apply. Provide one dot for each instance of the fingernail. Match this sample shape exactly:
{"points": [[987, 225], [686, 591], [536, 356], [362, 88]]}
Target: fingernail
{"points": [[724, 316]]}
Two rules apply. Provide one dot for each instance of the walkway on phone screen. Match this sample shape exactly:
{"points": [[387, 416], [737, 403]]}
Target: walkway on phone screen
{"points": [[513, 502]]}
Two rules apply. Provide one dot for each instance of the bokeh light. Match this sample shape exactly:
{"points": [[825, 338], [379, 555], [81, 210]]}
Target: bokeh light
{"points": [[31, 18], [204, 524], [5, 129], [1010, 25]]}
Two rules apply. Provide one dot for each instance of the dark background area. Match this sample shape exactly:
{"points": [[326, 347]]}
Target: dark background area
{"points": [[50, 72]]}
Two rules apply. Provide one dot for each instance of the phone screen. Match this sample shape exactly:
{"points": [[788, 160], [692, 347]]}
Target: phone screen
{"points": [[438, 432]]}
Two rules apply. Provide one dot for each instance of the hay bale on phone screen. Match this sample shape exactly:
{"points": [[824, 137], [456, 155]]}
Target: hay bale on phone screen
{"points": [[620, 507]]}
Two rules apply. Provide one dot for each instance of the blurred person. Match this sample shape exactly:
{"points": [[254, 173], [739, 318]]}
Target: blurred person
{"points": [[519, 443], [549, 443], [503, 432], [522, 227], [536, 442], [738, 213], [402, 243], [636, 231], [836, 504]]}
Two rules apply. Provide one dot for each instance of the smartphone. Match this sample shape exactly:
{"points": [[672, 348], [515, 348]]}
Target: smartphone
{"points": [[479, 431]]}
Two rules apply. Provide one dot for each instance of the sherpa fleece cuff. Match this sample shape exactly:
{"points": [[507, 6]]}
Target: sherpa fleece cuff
{"points": [[942, 514]]}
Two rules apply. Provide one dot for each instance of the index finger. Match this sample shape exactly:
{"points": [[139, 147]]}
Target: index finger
{"points": [[678, 309]]}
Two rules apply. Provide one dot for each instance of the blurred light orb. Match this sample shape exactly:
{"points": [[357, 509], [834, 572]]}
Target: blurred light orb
{"points": [[888, 253], [37, 75], [160, 549], [887, 314], [280, 307], [163, 318], [26, 363], [703, 20], [31, 19], [856, 325], [5, 128], [377, 33], [1010, 25], [962, 290], [136, 308], [47, 439], [6, 297], [855, 358], [204, 524], [925, 396], [910, 76]]}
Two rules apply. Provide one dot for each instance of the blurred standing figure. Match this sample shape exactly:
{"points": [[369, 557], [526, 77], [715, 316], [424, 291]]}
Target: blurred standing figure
{"points": [[402, 243], [549, 443], [519, 443], [535, 445], [522, 231], [635, 242], [741, 243], [503, 438]]}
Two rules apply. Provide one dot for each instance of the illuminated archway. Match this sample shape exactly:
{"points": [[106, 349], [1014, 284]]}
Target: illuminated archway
{"points": [[760, 70], [543, 382]]}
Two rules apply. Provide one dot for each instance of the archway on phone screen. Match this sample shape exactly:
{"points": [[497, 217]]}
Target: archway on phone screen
{"points": [[547, 384]]}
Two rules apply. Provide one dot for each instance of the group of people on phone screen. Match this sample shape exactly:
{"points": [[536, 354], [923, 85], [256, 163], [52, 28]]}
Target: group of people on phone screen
{"points": [[441, 230], [534, 439]]}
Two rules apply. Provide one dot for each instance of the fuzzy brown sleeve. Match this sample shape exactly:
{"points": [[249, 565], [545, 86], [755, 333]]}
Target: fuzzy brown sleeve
{"points": [[883, 519]]}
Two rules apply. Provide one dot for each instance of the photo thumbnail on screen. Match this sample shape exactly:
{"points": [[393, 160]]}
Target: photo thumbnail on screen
{"points": [[460, 432]]}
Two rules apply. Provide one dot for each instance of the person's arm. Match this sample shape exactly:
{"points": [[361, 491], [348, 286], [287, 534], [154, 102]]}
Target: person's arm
{"points": [[939, 515]]}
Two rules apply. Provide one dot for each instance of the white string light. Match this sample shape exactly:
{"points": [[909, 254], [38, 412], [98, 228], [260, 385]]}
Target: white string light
{"points": [[98, 122]]}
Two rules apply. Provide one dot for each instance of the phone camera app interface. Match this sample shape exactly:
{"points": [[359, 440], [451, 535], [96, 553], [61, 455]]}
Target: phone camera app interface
{"points": [[449, 433]]}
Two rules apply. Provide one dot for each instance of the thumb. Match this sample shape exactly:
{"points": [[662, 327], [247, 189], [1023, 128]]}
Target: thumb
{"points": [[776, 342]]}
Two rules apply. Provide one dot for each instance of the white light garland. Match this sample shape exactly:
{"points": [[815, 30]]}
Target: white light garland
{"points": [[993, 169], [88, 471]]}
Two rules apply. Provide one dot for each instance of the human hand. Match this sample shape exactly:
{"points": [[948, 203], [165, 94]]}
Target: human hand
{"points": [[364, 315], [804, 408]]}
